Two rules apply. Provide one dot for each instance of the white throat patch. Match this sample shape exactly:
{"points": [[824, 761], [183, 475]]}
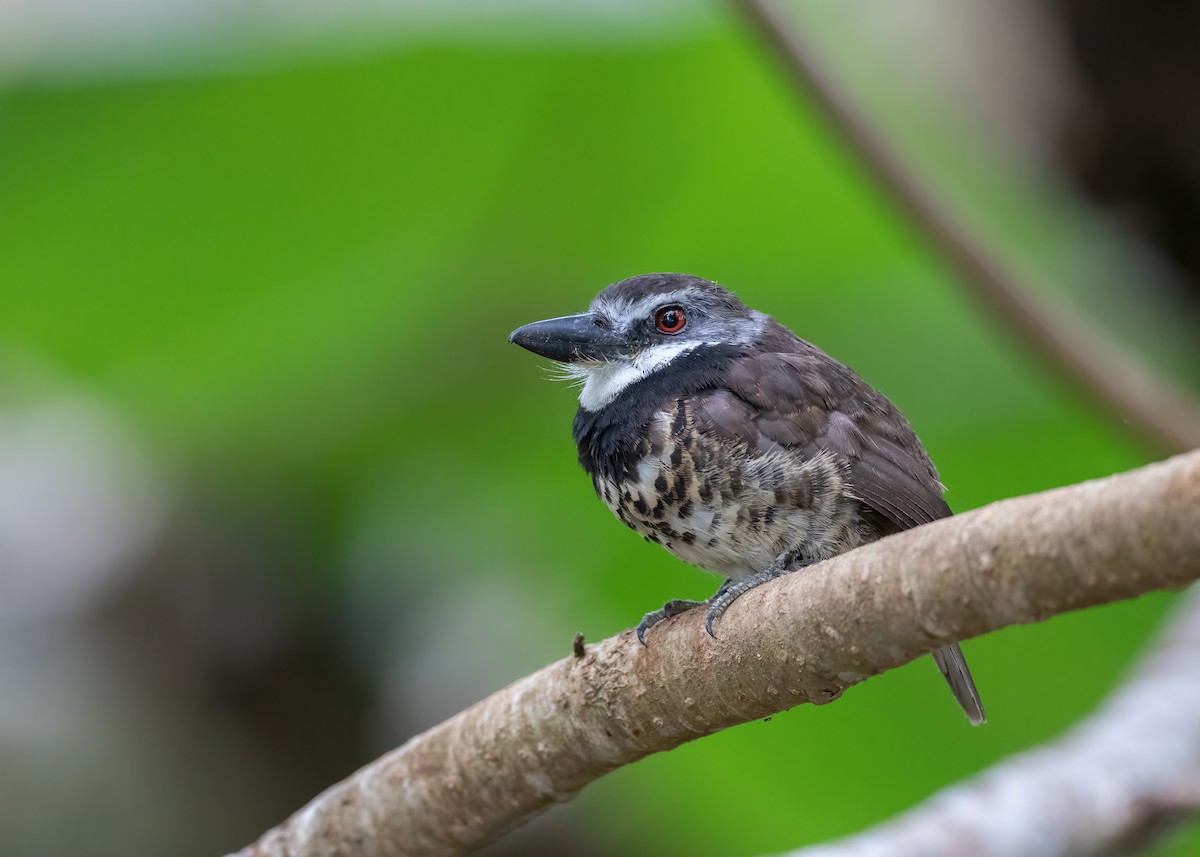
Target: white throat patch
{"points": [[603, 382]]}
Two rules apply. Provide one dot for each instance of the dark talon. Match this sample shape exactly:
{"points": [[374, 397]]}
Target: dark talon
{"points": [[730, 592], [672, 608], [714, 611]]}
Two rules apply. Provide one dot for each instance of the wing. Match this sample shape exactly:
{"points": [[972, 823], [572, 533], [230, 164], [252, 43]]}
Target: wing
{"points": [[797, 397]]}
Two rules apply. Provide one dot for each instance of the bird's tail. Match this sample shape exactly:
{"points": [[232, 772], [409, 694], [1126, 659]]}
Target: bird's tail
{"points": [[953, 665]]}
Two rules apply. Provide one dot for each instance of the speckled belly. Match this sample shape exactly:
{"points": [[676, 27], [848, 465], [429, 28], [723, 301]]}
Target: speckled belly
{"points": [[713, 504]]}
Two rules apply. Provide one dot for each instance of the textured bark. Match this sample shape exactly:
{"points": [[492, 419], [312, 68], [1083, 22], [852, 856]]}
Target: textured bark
{"points": [[803, 638], [1113, 785]]}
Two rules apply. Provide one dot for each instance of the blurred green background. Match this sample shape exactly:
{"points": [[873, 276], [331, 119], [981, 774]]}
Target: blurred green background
{"points": [[284, 495]]}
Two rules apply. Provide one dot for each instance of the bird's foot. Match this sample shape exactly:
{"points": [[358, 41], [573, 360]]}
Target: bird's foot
{"points": [[731, 591], [672, 608]]}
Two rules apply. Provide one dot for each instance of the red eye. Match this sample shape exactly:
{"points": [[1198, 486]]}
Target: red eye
{"points": [[670, 319]]}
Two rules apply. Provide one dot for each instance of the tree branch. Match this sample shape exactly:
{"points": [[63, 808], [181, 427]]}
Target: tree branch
{"points": [[1165, 413], [803, 638], [1113, 785]]}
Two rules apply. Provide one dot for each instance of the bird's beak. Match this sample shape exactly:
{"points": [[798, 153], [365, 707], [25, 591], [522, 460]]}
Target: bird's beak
{"points": [[570, 339]]}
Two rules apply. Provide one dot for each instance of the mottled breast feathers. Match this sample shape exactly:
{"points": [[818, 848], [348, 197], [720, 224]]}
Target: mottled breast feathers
{"points": [[782, 394]]}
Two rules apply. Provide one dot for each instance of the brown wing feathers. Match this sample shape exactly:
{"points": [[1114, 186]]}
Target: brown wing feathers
{"points": [[785, 399]]}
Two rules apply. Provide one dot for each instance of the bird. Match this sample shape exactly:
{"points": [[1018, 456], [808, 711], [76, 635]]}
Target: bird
{"points": [[711, 429]]}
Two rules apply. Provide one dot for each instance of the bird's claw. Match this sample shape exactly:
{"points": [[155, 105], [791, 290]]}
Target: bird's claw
{"points": [[672, 608], [730, 592], [717, 605]]}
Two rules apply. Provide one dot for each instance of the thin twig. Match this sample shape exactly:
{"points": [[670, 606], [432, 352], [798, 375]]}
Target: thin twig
{"points": [[804, 638], [1163, 412]]}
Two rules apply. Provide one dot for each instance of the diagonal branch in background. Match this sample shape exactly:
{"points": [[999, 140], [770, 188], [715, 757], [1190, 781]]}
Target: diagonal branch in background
{"points": [[1112, 785], [1163, 412], [803, 638]]}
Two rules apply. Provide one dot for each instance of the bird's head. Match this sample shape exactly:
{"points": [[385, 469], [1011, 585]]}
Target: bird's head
{"points": [[637, 327]]}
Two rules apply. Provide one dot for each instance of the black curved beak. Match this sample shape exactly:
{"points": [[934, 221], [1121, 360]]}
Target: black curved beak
{"points": [[570, 339]]}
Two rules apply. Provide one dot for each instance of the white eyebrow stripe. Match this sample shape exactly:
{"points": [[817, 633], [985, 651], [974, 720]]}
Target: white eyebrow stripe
{"points": [[627, 311]]}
